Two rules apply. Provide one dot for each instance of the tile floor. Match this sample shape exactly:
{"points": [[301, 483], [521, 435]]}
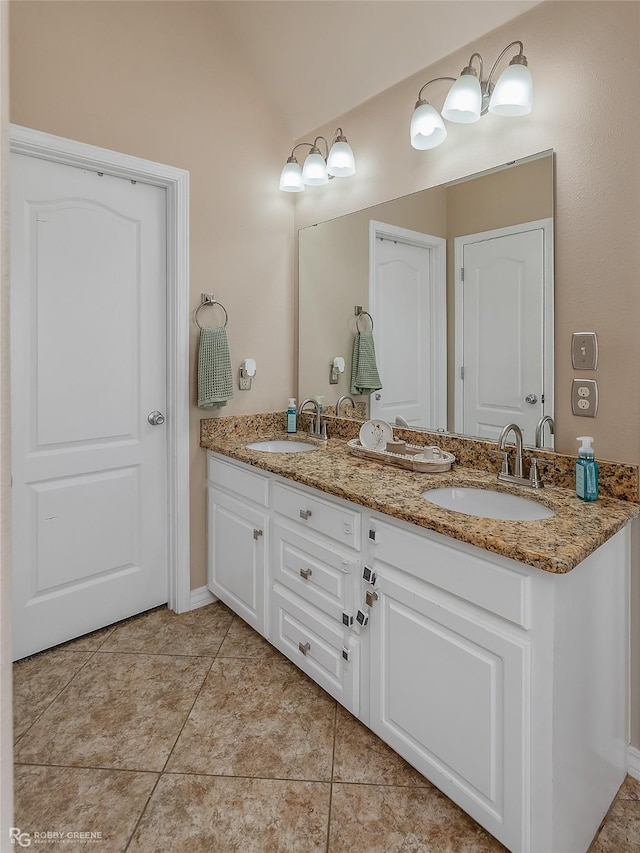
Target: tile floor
{"points": [[192, 734]]}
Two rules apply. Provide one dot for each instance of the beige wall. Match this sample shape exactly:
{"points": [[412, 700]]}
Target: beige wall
{"points": [[584, 57], [333, 272], [160, 80]]}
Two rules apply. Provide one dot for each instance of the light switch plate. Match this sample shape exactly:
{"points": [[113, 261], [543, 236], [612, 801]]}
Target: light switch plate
{"points": [[584, 350], [584, 398]]}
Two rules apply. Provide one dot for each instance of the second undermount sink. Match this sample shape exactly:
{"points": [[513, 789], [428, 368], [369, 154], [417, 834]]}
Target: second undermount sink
{"points": [[282, 446], [485, 503]]}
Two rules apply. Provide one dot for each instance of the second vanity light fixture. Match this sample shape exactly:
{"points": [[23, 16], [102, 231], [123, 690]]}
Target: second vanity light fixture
{"points": [[338, 162], [471, 96]]}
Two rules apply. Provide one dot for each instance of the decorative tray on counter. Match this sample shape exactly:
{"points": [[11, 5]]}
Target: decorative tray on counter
{"points": [[424, 460]]}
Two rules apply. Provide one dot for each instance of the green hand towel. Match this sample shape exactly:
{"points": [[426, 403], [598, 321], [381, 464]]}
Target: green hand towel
{"points": [[364, 372], [215, 381]]}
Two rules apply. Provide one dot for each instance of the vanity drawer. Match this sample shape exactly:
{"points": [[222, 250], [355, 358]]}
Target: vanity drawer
{"points": [[499, 589], [313, 513], [317, 645], [247, 484], [322, 575]]}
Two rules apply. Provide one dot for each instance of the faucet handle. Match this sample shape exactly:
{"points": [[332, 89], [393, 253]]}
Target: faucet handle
{"points": [[534, 475], [505, 460]]}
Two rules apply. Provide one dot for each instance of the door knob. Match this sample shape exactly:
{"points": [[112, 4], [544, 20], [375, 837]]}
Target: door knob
{"points": [[531, 398], [378, 396], [155, 418]]}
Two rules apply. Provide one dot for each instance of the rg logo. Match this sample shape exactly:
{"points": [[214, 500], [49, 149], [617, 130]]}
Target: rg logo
{"points": [[23, 839]]}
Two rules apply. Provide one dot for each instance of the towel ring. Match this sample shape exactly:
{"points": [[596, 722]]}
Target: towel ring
{"points": [[361, 314], [209, 300]]}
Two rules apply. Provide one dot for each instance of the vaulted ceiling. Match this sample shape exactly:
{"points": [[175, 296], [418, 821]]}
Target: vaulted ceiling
{"points": [[319, 58]]}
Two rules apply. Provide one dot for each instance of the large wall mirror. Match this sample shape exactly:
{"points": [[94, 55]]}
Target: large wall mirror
{"points": [[458, 281]]}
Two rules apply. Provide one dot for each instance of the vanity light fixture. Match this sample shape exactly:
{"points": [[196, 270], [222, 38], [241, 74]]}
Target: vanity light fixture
{"points": [[471, 97], [338, 162]]}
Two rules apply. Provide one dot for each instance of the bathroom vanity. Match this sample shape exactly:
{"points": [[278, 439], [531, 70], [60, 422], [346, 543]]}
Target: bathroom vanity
{"points": [[503, 681]]}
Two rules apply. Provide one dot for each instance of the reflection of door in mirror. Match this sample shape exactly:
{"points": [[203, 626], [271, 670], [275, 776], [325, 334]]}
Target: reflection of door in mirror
{"points": [[503, 281], [407, 295]]}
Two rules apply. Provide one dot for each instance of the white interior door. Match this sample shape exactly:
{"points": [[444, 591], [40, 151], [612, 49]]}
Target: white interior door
{"points": [[500, 307], [88, 364], [408, 304]]}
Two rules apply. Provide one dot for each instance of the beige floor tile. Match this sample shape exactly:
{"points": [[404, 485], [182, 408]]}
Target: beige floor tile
{"points": [[73, 799], [205, 814], [242, 641], [121, 711], [402, 820], [38, 680], [198, 632], [630, 789], [360, 756], [258, 718], [621, 830]]}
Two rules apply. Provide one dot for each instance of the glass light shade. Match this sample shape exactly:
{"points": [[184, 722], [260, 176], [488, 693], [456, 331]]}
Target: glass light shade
{"points": [[291, 177], [513, 94], [314, 171], [427, 127], [464, 101], [341, 163]]}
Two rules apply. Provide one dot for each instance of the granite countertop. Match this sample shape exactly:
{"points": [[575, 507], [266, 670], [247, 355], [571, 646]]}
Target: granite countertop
{"points": [[556, 544]]}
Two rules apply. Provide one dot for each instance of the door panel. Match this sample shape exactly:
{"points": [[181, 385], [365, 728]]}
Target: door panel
{"points": [[88, 294], [503, 299]]}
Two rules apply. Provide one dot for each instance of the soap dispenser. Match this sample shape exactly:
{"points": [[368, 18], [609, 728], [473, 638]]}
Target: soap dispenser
{"points": [[586, 470], [292, 416]]}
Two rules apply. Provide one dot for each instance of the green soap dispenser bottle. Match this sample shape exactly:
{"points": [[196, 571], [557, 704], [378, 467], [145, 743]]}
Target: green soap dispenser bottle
{"points": [[292, 416], [586, 471]]}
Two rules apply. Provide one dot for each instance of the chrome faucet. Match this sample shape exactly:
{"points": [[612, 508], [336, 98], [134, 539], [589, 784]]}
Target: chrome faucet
{"points": [[342, 400], [317, 428], [516, 477], [545, 419]]}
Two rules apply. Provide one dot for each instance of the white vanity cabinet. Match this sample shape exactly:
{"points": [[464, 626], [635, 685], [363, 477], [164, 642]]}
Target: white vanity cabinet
{"points": [[237, 534], [505, 685], [314, 569]]}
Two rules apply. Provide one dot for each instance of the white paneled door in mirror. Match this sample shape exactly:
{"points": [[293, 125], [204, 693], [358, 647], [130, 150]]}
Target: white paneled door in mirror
{"points": [[88, 364]]}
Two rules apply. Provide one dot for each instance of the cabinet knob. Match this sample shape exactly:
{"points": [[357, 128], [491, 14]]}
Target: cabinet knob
{"points": [[304, 647], [305, 574], [256, 533], [305, 513]]}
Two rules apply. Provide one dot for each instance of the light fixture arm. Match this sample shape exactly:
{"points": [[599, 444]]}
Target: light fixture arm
{"points": [[471, 70], [435, 80], [520, 59]]}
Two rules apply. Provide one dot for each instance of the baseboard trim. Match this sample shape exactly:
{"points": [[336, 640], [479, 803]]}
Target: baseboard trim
{"points": [[201, 597], [633, 762]]}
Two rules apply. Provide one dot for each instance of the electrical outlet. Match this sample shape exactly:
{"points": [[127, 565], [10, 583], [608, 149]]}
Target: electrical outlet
{"points": [[584, 397], [584, 350], [244, 383]]}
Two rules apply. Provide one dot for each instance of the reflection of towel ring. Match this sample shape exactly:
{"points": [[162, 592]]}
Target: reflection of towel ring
{"points": [[362, 313], [209, 299]]}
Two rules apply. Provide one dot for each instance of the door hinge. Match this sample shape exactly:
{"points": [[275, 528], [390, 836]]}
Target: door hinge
{"points": [[346, 654], [462, 373], [256, 533], [542, 399], [461, 273], [372, 535], [370, 597]]}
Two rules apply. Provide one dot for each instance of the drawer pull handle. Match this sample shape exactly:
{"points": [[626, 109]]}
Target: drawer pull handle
{"points": [[304, 647], [305, 513], [305, 574], [256, 533]]}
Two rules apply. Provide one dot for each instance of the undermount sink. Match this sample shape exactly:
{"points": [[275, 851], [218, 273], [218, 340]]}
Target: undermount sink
{"points": [[279, 446], [485, 503]]}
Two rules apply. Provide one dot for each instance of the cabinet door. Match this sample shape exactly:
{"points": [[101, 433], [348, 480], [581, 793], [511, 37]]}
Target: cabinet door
{"points": [[448, 694], [236, 561]]}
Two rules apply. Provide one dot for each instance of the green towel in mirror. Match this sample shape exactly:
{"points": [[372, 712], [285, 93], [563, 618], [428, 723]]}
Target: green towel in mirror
{"points": [[364, 371]]}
